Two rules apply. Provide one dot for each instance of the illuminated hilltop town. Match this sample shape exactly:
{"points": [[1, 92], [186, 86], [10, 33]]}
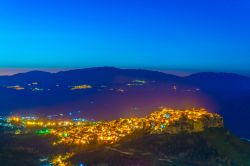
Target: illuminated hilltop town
{"points": [[164, 120]]}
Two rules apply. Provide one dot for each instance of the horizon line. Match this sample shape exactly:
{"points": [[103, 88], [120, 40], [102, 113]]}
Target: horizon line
{"points": [[181, 73]]}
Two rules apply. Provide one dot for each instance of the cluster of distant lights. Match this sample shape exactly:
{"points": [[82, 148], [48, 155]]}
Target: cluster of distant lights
{"points": [[33, 86], [72, 88]]}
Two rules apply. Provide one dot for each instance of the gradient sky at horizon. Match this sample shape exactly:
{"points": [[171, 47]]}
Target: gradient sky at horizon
{"points": [[177, 35]]}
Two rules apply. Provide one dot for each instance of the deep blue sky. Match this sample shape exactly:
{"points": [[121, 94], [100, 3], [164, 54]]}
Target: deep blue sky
{"points": [[193, 35]]}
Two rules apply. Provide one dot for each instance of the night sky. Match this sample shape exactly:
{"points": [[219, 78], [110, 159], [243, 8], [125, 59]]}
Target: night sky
{"points": [[193, 35]]}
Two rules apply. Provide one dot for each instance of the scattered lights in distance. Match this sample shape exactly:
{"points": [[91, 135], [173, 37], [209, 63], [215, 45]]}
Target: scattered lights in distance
{"points": [[137, 83]]}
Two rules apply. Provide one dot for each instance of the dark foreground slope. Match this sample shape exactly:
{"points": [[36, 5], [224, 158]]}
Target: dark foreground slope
{"points": [[209, 148], [212, 147]]}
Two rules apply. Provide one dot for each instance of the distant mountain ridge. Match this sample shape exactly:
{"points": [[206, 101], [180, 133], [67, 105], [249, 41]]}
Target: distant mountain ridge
{"points": [[105, 73], [102, 74]]}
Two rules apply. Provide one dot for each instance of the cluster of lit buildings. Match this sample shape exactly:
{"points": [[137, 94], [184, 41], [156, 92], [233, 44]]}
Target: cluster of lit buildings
{"points": [[76, 132], [78, 87], [15, 87], [162, 121]]}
